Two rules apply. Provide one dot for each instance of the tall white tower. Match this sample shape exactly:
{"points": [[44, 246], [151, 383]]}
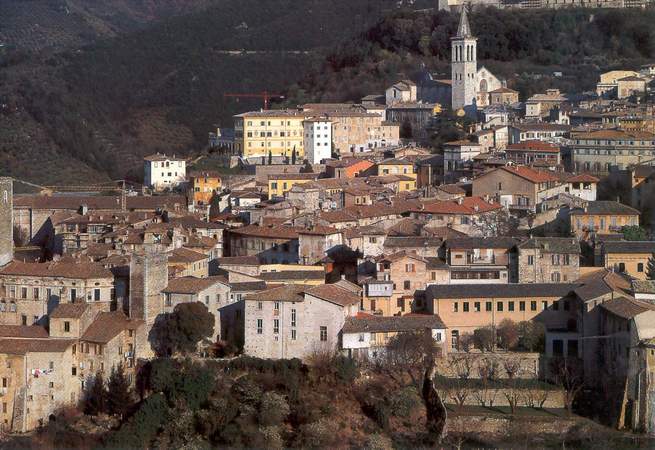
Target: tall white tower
{"points": [[464, 65]]}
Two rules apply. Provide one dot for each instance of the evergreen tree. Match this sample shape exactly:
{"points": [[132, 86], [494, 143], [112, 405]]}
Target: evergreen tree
{"points": [[118, 392], [293, 156], [650, 267], [270, 157], [96, 398]]}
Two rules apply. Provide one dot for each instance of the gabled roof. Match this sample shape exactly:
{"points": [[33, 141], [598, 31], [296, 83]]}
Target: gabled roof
{"points": [[605, 207], [599, 283], [192, 285], [642, 247], [108, 325], [69, 310], [626, 308], [364, 323], [185, 256], [334, 294], [534, 145], [466, 205], [552, 245], [530, 174], [526, 290]]}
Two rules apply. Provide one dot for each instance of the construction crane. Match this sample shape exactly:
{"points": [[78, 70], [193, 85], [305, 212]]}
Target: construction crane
{"points": [[265, 95]]}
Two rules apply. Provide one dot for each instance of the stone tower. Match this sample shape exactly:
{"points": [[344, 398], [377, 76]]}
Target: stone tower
{"points": [[464, 65], [6, 221]]}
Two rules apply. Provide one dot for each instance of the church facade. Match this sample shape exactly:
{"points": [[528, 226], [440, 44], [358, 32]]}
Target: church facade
{"points": [[470, 86]]}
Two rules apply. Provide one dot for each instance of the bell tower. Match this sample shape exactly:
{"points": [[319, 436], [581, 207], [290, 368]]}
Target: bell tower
{"points": [[464, 65], [6, 221]]}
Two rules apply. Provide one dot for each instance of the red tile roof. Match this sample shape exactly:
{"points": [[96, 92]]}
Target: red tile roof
{"points": [[108, 325], [23, 331], [23, 346], [466, 205], [535, 176], [69, 310], [582, 178], [534, 145]]}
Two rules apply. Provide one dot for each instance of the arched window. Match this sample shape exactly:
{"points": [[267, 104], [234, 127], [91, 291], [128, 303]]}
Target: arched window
{"points": [[12, 307], [483, 85]]}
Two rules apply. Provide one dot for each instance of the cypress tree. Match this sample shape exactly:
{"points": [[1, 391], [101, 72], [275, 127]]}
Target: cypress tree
{"points": [[118, 392], [96, 398], [650, 267]]}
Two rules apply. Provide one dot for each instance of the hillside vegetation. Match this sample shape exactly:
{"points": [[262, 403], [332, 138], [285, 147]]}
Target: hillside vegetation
{"points": [[143, 78], [160, 88], [525, 47]]}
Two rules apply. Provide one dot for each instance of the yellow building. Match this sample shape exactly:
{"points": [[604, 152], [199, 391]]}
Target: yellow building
{"points": [[278, 184], [630, 257], [274, 132], [602, 217], [395, 166], [202, 186]]}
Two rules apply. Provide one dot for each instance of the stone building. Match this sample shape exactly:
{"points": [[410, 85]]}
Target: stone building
{"points": [[213, 292], [33, 290], [482, 260], [602, 217], [601, 150], [6, 221], [271, 243], [315, 242], [629, 257], [296, 321], [548, 260]]}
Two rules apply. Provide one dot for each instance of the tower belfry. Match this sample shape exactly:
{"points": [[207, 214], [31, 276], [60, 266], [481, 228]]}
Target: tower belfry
{"points": [[464, 65]]}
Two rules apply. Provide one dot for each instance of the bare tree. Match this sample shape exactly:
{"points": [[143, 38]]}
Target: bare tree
{"points": [[512, 367], [497, 223], [409, 355], [567, 373], [466, 342], [512, 393], [535, 397]]}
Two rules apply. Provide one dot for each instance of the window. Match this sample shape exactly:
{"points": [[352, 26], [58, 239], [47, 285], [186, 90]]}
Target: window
{"points": [[499, 306], [67, 327], [36, 293], [555, 277], [409, 268], [73, 371], [168, 301], [260, 326], [454, 339], [96, 295], [276, 326], [510, 306], [476, 306], [361, 337], [544, 305], [455, 307], [407, 285], [73, 295], [533, 306], [530, 260], [621, 267], [5, 382], [488, 306], [521, 306], [23, 319], [323, 332], [293, 335], [276, 308], [260, 306], [23, 292], [206, 299], [556, 305], [466, 306], [640, 267]]}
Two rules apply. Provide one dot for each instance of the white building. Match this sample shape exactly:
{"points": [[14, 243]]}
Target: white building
{"points": [[582, 186], [457, 152], [318, 139], [161, 171], [470, 85], [367, 336]]}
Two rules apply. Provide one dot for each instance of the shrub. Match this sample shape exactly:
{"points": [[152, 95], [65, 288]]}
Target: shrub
{"points": [[317, 434], [405, 401], [273, 409], [378, 441], [346, 369]]}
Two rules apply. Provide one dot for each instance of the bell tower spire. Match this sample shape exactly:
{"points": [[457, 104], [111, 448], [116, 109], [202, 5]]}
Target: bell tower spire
{"points": [[464, 65]]}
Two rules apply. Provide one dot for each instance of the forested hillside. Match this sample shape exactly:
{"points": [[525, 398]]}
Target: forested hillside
{"points": [[92, 111], [525, 47], [147, 78]]}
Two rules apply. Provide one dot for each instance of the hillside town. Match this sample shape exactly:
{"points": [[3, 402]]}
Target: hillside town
{"points": [[337, 228]]}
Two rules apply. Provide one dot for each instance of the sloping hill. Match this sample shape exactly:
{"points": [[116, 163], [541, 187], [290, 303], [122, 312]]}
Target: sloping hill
{"points": [[161, 87]]}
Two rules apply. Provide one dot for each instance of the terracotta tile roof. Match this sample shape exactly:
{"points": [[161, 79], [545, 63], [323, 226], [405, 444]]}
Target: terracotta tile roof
{"points": [[503, 90], [601, 282], [534, 145], [319, 230], [23, 331], [99, 202], [634, 247], [527, 173], [626, 308], [500, 242], [605, 207], [248, 286], [615, 135], [293, 176], [238, 260], [272, 231], [194, 222], [334, 294], [552, 245], [24, 346], [59, 269], [192, 285], [466, 205], [185, 256], [292, 275], [288, 293], [451, 189], [69, 310], [582, 178], [527, 290], [108, 325], [384, 324]]}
